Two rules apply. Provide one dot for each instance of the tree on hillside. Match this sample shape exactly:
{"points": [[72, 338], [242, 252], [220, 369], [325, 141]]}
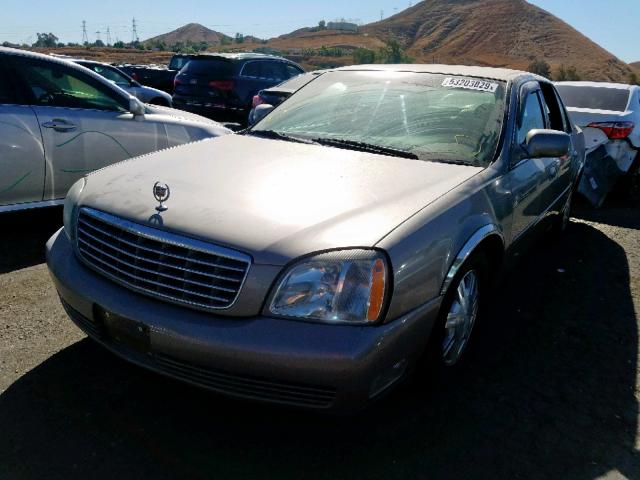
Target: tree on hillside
{"points": [[540, 67], [363, 56], [48, 40], [98, 43], [633, 79], [119, 44], [567, 74], [322, 25], [239, 38], [393, 53]]}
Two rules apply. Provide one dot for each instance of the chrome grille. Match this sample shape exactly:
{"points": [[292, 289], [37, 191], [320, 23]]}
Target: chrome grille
{"points": [[161, 264]]}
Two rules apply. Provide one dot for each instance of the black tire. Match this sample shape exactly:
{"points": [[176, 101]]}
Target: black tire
{"points": [[435, 355]]}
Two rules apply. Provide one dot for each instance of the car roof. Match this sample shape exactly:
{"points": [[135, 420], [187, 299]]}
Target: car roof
{"points": [[501, 74], [239, 56], [618, 86]]}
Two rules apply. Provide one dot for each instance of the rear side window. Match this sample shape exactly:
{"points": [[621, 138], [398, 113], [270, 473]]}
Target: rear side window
{"points": [[215, 68], [554, 110], [267, 70], [292, 71], [596, 98]]}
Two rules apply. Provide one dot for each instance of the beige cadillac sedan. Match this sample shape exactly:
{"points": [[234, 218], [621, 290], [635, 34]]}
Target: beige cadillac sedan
{"points": [[313, 259]]}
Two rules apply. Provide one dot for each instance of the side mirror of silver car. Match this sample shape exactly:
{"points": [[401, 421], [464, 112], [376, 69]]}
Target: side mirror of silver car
{"points": [[547, 144], [262, 111], [136, 107]]}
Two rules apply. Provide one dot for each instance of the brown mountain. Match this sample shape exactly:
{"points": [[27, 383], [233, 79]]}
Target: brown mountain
{"points": [[509, 33], [192, 32]]}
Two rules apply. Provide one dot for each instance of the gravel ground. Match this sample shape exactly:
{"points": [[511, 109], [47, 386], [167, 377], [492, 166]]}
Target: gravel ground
{"points": [[550, 389]]}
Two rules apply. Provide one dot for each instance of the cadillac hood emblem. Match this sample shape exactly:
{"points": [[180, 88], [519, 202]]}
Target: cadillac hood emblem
{"points": [[161, 192]]}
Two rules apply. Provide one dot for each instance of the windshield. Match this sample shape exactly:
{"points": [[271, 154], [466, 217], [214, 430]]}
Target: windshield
{"points": [[595, 98], [217, 67], [109, 73], [434, 117]]}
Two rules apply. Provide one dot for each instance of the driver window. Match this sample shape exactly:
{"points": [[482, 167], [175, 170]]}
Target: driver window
{"points": [[532, 117], [55, 85]]}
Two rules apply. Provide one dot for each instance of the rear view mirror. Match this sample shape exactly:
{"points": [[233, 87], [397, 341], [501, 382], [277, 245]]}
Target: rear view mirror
{"points": [[136, 106], [262, 111], [547, 144]]}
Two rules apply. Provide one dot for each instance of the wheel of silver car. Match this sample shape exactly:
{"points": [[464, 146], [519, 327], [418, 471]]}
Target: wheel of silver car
{"points": [[461, 317]]}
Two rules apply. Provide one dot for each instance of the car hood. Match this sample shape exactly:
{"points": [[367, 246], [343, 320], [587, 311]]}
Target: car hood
{"points": [[272, 199], [180, 114]]}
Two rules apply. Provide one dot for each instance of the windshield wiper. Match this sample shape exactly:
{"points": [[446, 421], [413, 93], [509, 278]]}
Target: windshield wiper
{"points": [[272, 134], [365, 147]]}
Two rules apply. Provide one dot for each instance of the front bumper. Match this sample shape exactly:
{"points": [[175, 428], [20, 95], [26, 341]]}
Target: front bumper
{"points": [[281, 361]]}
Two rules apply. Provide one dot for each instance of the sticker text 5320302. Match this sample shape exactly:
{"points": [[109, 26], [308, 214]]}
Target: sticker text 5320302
{"points": [[470, 84]]}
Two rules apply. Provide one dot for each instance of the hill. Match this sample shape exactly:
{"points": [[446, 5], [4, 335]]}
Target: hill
{"points": [[192, 32], [505, 33]]}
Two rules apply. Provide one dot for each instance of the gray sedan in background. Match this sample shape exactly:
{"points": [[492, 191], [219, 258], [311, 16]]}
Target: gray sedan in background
{"points": [[314, 259], [128, 84]]}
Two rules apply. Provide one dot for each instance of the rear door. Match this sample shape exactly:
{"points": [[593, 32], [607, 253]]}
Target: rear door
{"points": [[22, 161], [558, 170], [85, 125]]}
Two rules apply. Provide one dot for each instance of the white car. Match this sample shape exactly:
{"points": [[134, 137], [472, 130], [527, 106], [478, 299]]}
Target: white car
{"points": [[609, 114], [60, 121]]}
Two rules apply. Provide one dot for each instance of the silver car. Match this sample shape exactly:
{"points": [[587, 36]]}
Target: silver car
{"points": [[315, 258], [60, 121], [118, 77]]}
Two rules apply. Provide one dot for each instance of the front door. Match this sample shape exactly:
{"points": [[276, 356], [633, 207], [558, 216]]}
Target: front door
{"points": [[85, 125], [527, 176]]}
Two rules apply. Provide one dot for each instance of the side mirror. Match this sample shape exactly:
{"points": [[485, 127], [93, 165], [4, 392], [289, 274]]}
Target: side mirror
{"points": [[262, 111], [136, 107], [547, 144]]}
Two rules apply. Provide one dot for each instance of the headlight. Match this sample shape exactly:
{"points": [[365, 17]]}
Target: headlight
{"points": [[347, 286], [70, 203]]}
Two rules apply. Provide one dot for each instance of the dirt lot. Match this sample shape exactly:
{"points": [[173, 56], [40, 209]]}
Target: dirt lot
{"points": [[550, 391]]}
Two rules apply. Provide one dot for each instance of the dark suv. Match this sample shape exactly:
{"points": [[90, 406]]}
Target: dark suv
{"points": [[222, 86]]}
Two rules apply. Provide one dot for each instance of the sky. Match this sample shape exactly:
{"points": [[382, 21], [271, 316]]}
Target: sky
{"points": [[615, 28]]}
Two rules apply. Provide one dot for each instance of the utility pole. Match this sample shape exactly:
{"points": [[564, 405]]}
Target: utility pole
{"points": [[85, 37], [134, 31], [108, 36], [381, 14]]}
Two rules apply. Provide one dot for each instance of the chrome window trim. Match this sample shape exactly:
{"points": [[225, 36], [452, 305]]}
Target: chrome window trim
{"points": [[168, 238], [16, 207], [466, 251]]}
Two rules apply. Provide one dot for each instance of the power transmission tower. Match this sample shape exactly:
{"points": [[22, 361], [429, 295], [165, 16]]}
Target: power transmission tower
{"points": [[381, 14], [134, 31], [85, 37], [108, 36]]}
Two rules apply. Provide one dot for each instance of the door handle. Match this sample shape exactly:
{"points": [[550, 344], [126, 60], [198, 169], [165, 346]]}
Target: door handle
{"points": [[554, 168], [60, 125]]}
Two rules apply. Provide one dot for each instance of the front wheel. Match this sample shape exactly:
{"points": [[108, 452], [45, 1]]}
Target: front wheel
{"points": [[459, 313]]}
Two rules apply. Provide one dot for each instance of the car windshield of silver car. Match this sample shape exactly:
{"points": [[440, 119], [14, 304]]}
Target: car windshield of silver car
{"points": [[414, 115]]}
